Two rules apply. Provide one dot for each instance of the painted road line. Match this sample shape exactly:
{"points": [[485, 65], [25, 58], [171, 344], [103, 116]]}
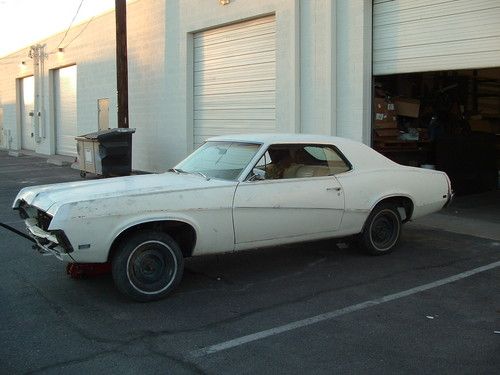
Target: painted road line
{"points": [[336, 313]]}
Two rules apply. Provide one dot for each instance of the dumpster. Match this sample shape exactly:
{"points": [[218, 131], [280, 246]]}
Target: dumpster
{"points": [[106, 152]]}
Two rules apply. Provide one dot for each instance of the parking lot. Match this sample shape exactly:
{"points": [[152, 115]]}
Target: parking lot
{"points": [[433, 306]]}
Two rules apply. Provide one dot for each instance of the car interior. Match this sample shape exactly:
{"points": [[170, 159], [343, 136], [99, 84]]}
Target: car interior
{"points": [[301, 161]]}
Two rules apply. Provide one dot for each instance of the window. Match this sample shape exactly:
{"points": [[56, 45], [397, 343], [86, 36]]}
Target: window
{"points": [[224, 160], [301, 161]]}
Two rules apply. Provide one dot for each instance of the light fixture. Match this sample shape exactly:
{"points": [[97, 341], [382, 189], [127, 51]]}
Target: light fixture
{"points": [[22, 65], [224, 2]]}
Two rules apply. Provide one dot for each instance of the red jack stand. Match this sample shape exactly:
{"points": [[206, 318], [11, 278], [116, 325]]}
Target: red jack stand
{"points": [[83, 270]]}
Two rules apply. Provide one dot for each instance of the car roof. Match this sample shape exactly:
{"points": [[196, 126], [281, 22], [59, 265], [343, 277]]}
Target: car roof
{"points": [[359, 155], [269, 138]]}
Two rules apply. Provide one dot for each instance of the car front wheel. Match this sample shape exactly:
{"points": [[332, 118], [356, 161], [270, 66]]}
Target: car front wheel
{"points": [[382, 230], [147, 266]]}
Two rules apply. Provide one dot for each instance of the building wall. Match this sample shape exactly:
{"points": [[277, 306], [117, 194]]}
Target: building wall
{"points": [[323, 67], [323, 86], [92, 51], [354, 74]]}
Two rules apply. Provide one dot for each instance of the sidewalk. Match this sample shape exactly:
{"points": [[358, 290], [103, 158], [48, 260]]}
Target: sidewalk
{"points": [[59, 160]]}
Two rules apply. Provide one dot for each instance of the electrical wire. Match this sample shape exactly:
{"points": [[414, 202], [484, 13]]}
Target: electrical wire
{"points": [[80, 33], [71, 24]]}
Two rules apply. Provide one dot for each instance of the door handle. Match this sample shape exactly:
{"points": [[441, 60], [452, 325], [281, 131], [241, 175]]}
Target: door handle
{"points": [[337, 188]]}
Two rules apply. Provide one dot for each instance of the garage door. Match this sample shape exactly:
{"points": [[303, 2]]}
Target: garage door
{"points": [[430, 35], [235, 79], [65, 110], [27, 107]]}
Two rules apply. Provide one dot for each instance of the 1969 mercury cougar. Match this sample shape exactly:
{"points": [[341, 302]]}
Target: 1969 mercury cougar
{"points": [[233, 193]]}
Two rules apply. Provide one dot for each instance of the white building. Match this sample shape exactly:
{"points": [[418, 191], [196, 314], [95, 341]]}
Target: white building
{"points": [[199, 68]]}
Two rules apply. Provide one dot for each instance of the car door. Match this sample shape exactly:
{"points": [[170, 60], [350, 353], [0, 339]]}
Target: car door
{"points": [[305, 201]]}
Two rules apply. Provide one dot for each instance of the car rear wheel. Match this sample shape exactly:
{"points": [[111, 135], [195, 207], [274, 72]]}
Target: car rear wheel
{"points": [[382, 230], [147, 266]]}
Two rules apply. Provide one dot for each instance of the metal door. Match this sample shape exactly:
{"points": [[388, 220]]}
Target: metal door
{"points": [[65, 110], [235, 79], [27, 95], [422, 35]]}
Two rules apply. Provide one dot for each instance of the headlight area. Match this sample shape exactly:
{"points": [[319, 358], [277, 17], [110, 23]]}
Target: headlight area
{"points": [[38, 222], [54, 242], [63, 240], [26, 211]]}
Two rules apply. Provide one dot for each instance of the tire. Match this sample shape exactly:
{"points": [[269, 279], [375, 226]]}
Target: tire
{"points": [[382, 230], [147, 266]]}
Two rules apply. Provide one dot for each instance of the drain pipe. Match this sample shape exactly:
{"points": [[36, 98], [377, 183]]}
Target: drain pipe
{"points": [[41, 113], [34, 55], [38, 55]]}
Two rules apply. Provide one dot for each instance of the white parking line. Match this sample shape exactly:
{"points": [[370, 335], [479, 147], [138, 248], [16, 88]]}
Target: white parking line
{"points": [[333, 314]]}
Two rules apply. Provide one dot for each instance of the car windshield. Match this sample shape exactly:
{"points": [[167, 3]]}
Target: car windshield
{"points": [[223, 160]]}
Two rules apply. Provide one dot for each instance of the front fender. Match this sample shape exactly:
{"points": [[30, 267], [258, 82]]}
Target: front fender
{"points": [[144, 219]]}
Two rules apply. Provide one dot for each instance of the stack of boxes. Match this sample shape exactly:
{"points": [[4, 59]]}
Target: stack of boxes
{"points": [[385, 125], [387, 110]]}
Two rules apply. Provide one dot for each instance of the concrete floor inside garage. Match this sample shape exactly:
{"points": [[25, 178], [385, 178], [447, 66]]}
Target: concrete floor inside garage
{"points": [[54, 324]]}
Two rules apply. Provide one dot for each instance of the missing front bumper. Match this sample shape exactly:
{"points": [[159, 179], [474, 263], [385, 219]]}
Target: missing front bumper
{"points": [[48, 243]]}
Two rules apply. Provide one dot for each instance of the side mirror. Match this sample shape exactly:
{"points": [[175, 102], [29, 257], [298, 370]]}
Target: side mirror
{"points": [[257, 175]]}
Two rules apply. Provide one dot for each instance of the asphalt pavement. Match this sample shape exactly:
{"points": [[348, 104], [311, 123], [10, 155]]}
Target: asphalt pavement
{"points": [[432, 306]]}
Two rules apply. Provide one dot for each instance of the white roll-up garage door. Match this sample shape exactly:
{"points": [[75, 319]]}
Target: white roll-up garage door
{"points": [[235, 79], [430, 35], [65, 110]]}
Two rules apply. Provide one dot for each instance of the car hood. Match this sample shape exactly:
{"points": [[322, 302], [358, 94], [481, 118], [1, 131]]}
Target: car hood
{"points": [[50, 197]]}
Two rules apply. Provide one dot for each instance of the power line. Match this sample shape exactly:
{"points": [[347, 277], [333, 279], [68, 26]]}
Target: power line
{"points": [[71, 24], [80, 33]]}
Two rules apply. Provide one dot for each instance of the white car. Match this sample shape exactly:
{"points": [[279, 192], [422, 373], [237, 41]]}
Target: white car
{"points": [[233, 193]]}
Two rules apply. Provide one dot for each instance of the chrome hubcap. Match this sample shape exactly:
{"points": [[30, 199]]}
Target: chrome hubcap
{"points": [[151, 267]]}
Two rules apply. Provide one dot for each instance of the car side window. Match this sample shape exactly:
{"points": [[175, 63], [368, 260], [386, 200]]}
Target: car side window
{"points": [[300, 161], [333, 160]]}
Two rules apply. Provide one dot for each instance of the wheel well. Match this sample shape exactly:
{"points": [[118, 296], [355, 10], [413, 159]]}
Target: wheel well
{"points": [[400, 201], [184, 234]]}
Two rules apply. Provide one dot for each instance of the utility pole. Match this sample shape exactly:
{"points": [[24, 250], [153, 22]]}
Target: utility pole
{"points": [[121, 62]]}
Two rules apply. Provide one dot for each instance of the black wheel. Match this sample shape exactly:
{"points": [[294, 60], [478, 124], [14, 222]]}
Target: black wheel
{"points": [[147, 266], [382, 230], [83, 174]]}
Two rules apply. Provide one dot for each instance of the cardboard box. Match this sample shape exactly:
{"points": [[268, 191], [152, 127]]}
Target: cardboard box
{"points": [[407, 107], [478, 125], [489, 105], [387, 132], [385, 114], [383, 105], [385, 124]]}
